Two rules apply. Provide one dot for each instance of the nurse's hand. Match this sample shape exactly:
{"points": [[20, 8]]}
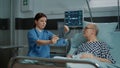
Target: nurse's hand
{"points": [[54, 39]]}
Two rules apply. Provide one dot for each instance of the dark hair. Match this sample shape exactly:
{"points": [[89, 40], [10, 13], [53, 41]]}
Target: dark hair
{"points": [[38, 16]]}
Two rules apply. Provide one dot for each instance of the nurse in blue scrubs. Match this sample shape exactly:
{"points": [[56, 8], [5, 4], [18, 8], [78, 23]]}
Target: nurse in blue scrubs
{"points": [[39, 40]]}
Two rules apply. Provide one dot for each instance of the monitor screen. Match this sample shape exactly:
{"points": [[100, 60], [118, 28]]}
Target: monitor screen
{"points": [[74, 18]]}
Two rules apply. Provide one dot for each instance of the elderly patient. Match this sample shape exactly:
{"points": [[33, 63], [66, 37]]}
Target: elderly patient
{"points": [[93, 48]]}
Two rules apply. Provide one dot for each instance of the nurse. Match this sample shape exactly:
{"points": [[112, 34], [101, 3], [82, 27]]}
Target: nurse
{"points": [[39, 40]]}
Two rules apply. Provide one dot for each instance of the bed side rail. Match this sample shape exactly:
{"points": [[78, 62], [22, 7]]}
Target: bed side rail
{"points": [[45, 62]]}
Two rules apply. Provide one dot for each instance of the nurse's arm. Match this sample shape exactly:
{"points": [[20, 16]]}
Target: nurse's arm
{"points": [[43, 42]]}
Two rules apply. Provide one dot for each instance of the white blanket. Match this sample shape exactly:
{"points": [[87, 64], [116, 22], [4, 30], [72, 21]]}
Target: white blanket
{"points": [[76, 65]]}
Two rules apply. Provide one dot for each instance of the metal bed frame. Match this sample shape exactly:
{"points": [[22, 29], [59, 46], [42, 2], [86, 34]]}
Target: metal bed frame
{"points": [[19, 62]]}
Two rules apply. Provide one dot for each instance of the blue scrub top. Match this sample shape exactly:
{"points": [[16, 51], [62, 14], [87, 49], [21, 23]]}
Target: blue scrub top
{"points": [[36, 50]]}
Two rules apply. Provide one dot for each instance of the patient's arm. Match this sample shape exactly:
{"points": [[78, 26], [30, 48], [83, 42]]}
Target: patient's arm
{"points": [[66, 28], [89, 55], [103, 59]]}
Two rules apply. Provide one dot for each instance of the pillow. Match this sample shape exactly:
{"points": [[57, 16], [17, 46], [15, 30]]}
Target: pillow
{"points": [[76, 41], [116, 44], [104, 31]]}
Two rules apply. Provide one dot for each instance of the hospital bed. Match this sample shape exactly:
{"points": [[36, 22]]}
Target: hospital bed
{"points": [[108, 34], [30, 62]]}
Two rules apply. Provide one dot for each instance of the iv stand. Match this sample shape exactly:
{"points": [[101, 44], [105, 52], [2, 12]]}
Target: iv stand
{"points": [[91, 18], [118, 17]]}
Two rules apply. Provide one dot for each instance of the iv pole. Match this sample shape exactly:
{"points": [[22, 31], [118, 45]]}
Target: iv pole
{"points": [[118, 17], [91, 18]]}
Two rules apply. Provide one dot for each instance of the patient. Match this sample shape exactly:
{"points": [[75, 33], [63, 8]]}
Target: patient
{"points": [[93, 48]]}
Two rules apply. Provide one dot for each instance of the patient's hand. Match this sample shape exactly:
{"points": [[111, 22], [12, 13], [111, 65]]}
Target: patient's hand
{"points": [[66, 29], [69, 56], [87, 55]]}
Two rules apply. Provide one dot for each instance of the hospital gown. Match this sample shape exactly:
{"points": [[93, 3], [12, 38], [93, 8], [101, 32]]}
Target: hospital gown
{"points": [[97, 48]]}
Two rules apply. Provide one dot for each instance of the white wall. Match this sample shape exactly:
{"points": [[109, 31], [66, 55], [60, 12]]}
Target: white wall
{"points": [[103, 3], [103, 8], [4, 8], [4, 37], [56, 8], [4, 14], [18, 10]]}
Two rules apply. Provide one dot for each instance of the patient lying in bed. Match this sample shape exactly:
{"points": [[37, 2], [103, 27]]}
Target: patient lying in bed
{"points": [[95, 49]]}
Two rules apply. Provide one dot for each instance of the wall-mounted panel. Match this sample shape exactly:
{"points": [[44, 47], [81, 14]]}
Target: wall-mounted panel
{"points": [[27, 23], [4, 24], [24, 23]]}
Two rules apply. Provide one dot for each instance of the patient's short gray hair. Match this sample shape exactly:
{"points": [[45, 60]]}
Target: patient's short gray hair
{"points": [[96, 28]]}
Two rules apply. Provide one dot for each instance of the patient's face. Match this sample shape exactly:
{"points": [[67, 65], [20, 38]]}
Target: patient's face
{"points": [[88, 30]]}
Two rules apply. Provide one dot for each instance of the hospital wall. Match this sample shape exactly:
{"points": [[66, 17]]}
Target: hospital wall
{"points": [[104, 14], [54, 10], [100, 14]]}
